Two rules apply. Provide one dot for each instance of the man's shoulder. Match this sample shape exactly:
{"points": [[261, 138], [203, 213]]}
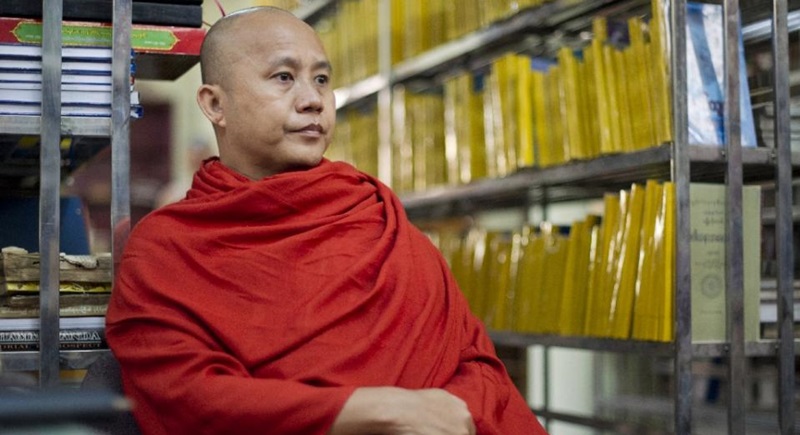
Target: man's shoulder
{"points": [[159, 224]]}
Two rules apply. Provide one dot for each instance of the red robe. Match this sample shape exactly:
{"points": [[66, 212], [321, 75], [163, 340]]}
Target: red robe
{"points": [[259, 306]]}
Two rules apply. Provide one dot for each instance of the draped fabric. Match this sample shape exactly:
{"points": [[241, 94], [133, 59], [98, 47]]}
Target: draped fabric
{"points": [[259, 306]]}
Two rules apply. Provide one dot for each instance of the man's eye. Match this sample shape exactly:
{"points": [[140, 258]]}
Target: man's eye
{"points": [[322, 80], [284, 77]]}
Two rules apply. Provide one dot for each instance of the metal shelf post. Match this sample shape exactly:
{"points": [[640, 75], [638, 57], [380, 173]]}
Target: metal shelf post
{"points": [[734, 244], [681, 174], [49, 191], [120, 128], [783, 218]]}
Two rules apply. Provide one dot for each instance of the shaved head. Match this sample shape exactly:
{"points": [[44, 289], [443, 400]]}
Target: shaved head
{"points": [[267, 91], [220, 43]]}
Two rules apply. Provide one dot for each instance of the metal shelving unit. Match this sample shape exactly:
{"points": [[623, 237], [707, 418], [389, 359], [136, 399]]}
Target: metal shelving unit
{"points": [[677, 161], [705, 350], [51, 127]]}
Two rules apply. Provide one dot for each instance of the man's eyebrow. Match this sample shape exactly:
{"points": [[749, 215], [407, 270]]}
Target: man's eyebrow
{"points": [[323, 64], [295, 64]]}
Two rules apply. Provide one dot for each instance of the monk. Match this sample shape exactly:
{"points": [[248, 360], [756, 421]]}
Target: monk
{"points": [[288, 294]]}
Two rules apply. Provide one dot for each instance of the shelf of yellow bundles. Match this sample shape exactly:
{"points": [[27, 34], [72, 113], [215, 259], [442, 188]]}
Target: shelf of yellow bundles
{"points": [[606, 118]]}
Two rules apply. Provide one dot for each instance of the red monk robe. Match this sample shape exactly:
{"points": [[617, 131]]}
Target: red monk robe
{"points": [[259, 306]]}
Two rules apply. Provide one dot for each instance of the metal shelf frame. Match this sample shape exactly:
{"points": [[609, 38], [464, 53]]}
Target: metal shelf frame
{"points": [[677, 161], [51, 126], [70, 126], [482, 46], [652, 348], [611, 172], [28, 361], [465, 53]]}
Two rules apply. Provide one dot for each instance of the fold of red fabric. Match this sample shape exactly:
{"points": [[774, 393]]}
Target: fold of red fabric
{"points": [[259, 306]]}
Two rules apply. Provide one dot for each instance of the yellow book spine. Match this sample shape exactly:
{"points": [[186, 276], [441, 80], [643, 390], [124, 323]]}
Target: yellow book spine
{"points": [[508, 128], [663, 273], [585, 268], [414, 121], [647, 134], [576, 277], [589, 109], [480, 264], [402, 150], [398, 31], [530, 281], [566, 320], [471, 16], [595, 244], [614, 97], [436, 23], [667, 314], [626, 273], [615, 214], [603, 108], [660, 63], [451, 129], [513, 293], [499, 288], [370, 14], [478, 156], [646, 284], [524, 113], [623, 77], [541, 129], [491, 111], [555, 257], [476, 259], [464, 120], [434, 108], [557, 115], [633, 89], [571, 105]]}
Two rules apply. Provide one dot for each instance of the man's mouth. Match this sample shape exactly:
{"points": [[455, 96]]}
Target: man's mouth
{"points": [[311, 128]]}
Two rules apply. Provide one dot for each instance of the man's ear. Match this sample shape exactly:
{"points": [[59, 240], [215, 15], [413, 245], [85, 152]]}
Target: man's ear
{"points": [[209, 98]]}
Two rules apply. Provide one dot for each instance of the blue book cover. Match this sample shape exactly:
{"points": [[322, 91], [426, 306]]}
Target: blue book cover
{"points": [[706, 79]]}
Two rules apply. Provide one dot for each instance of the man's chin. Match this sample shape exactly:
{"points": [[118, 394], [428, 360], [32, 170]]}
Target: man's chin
{"points": [[305, 165]]}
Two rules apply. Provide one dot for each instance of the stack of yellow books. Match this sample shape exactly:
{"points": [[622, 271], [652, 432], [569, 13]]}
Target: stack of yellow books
{"points": [[464, 128], [417, 26], [420, 25], [356, 139], [612, 277], [350, 37], [419, 159], [609, 99]]}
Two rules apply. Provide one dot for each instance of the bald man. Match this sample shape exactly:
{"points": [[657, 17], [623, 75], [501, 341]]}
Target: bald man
{"points": [[287, 294]]}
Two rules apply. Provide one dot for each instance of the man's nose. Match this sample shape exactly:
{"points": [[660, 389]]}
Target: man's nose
{"points": [[309, 97]]}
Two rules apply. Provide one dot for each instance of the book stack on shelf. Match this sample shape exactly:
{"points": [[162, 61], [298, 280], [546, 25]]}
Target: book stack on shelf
{"points": [[766, 123], [518, 110], [419, 25], [84, 291], [769, 308], [521, 112], [418, 146], [358, 128], [350, 36], [611, 277], [160, 51], [185, 13], [85, 81]]}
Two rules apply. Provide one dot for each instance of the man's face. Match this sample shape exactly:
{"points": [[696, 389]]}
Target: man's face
{"points": [[277, 100]]}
